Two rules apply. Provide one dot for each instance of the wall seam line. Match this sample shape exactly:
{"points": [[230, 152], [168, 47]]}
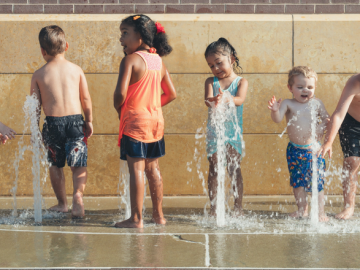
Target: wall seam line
{"points": [[293, 40]]}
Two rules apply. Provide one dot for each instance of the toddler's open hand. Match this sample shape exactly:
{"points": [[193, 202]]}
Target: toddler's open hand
{"points": [[218, 98], [6, 133], [215, 100], [274, 105]]}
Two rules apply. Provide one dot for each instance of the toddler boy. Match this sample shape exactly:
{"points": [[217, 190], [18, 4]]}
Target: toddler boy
{"points": [[302, 84]]}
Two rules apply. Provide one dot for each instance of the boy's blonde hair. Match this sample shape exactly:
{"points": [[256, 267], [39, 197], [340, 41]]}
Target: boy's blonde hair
{"points": [[52, 40], [308, 72]]}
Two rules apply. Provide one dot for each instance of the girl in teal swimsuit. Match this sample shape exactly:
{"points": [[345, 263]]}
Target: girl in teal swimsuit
{"points": [[223, 62]]}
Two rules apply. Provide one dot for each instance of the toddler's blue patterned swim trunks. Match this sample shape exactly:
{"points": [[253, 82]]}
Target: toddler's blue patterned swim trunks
{"points": [[300, 168]]}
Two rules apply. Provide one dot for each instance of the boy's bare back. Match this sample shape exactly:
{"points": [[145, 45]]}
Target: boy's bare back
{"points": [[61, 85]]}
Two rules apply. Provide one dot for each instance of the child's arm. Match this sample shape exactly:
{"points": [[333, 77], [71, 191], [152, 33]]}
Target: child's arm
{"points": [[241, 92], [278, 109], [6, 133], [122, 85], [209, 96], [34, 89], [351, 89], [86, 105], [167, 86]]}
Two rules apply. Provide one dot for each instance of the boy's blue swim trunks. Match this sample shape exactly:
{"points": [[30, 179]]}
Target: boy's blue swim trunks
{"points": [[65, 140], [300, 168]]}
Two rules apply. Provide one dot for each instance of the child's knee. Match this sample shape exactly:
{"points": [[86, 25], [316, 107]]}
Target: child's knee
{"points": [[80, 170]]}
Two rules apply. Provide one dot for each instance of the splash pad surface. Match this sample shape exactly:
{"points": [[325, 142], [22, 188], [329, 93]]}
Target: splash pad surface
{"points": [[264, 238]]}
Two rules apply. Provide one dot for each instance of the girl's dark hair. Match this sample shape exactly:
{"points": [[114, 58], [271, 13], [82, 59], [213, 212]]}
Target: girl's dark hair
{"points": [[222, 46], [148, 32]]}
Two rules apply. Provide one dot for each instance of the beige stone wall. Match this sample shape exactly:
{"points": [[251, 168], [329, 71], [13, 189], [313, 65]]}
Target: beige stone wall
{"points": [[268, 46]]}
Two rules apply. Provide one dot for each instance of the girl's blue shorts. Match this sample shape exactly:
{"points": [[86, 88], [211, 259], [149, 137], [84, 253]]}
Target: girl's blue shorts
{"points": [[136, 149]]}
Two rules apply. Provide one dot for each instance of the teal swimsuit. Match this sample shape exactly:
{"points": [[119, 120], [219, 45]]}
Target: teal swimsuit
{"points": [[232, 138]]}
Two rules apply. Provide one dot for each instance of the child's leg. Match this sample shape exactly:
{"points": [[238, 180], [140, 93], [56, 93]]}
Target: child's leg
{"points": [[212, 183], [153, 174], [300, 198], [58, 184], [79, 182], [349, 182], [136, 170], [234, 170], [322, 215]]}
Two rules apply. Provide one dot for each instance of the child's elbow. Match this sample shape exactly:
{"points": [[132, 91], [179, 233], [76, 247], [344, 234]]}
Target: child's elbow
{"points": [[277, 121]]}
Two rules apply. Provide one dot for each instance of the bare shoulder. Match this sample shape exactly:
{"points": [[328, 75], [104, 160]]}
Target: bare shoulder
{"points": [[320, 101], [353, 85], [74, 68], [40, 72], [289, 104], [209, 80], [243, 84], [37, 73], [133, 58], [243, 81]]}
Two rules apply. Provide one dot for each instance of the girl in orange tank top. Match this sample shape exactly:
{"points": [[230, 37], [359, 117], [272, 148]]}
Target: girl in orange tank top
{"points": [[138, 99]]}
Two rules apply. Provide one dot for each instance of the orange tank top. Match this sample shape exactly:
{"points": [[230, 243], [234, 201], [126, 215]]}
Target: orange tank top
{"points": [[141, 115]]}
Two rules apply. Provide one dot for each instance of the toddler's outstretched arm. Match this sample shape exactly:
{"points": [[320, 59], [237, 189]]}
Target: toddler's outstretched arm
{"points": [[167, 86], [278, 109], [6, 133]]}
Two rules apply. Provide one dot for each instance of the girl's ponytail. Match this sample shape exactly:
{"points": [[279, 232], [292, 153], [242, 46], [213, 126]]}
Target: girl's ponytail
{"points": [[160, 43]]}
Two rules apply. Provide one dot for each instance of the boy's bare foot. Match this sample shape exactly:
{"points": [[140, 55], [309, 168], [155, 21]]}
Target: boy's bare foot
{"points": [[212, 212], [238, 213], [77, 210], [159, 220], [346, 213], [299, 214], [59, 208], [323, 218], [129, 224]]}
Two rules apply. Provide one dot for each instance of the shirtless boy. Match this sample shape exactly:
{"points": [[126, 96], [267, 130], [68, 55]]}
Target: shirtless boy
{"points": [[302, 84], [6, 133], [346, 121], [62, 90]]}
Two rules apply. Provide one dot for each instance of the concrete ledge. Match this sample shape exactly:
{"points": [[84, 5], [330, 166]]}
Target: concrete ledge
{"points": [[328, 18]]}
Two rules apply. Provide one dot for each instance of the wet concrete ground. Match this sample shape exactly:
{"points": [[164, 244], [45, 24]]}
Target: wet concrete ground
{"points": [[264, 238]]}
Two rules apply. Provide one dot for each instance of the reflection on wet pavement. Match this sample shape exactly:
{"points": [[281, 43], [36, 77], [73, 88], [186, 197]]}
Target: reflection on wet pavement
{"points": [[265, 237]]}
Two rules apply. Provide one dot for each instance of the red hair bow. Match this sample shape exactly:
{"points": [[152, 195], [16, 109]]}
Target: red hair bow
{"points": [[159, 28]]}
